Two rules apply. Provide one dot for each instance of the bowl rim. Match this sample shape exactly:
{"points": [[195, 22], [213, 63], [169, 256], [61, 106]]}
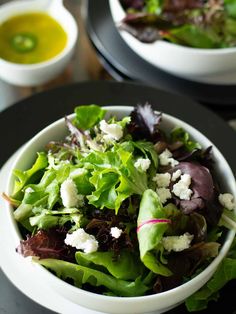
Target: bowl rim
{"points": [[210, 269], [186, 49], [71, 37]]}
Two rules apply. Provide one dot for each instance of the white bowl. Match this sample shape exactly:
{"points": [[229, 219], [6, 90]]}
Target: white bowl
{"points": [[39, 73], [157, 302], [203, 65]]}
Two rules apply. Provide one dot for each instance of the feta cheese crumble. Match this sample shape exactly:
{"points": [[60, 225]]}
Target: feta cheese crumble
{"points": [[29, 190], [227, 201], [177, 243], [81, 240], [113, 131], [142, 164], [164, 194], [115, 232], [162, 179], [69, 194], [176, 175], [181, 188], [166, 159]]}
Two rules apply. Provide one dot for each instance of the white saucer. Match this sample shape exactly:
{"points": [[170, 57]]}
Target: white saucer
{"points": [[22, 274]]}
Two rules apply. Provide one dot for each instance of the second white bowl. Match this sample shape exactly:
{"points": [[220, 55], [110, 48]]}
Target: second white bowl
{"points": [[204, 65]]}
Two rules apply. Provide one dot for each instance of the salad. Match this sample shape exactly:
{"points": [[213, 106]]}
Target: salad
{"points": [[193, 23], [124, 208]]}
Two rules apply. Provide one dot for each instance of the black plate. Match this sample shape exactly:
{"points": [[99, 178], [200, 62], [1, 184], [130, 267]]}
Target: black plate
{"points": [[24, 119], [109, 43]]}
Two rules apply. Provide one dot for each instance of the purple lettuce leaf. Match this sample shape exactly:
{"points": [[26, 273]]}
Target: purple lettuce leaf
{"points": [[191, 205], [204, 157], [202, 183], [101, 229], [133, 4], [180, 5], [204, 199], [144, 123], [77, 135], [145, 33], [185, 263], [144, 26], [47, 244], [198, 227], [212, 210], [193, 223]]}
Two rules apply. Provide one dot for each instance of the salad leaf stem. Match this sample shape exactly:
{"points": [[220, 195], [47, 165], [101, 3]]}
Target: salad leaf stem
{"points": [[153, 221], [228, 221]]}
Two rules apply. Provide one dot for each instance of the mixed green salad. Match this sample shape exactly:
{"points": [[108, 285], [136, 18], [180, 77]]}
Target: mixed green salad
{"points": [[193, 23], [124, 208]]}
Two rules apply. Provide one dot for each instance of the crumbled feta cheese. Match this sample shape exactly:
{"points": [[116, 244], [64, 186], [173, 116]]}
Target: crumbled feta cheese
{"points": [[181, 188], [29, 190], [176, 175], [69, 194], [177, 243], [162, 179], [227, 201], [166, 159], [115, 232], [164, 194], [77, 172], [142, 164], [81, 240], [113, 131]]}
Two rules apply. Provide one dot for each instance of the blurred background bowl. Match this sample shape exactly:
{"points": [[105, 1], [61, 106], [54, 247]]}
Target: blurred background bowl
{"points": [[201, 65], [42, 72]]}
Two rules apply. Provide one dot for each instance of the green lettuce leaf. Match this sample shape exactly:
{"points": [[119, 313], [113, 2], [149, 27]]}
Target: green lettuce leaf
{"points": [[22, 214], [81, 275], [153, 6], [230, 6], [180, 135], [45, 193], [195, 36], [126, 267], [46, 219], [36, 208], [148, 150], [31, 175], [150, 235], [224, 273], [87, 116], [82, 183], [105, 194], [114, 178]]}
